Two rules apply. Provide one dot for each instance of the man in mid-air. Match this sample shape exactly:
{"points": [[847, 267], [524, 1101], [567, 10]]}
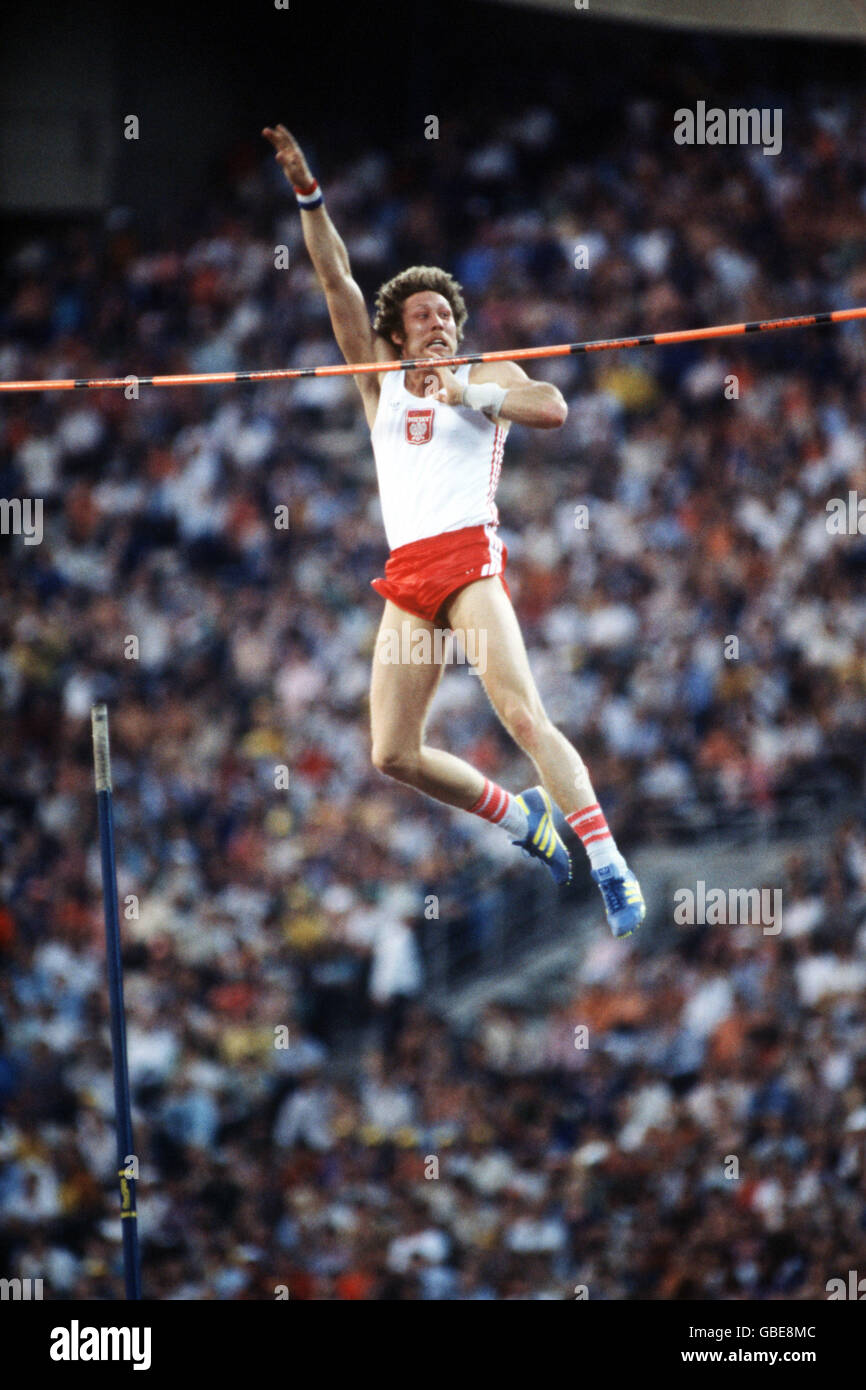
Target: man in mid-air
{"points": [[438, 438]]}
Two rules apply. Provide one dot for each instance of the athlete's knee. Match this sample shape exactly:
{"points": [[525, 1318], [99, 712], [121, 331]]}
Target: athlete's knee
{"points": [[526, 721], [396, 762]]}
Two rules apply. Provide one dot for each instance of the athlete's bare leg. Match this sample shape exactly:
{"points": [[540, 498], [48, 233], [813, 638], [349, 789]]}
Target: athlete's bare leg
{"points": [[400, 698], [401, 695], [483, 607]]}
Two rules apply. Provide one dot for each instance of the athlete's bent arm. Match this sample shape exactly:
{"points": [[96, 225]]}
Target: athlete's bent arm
{"points": [[349, 317], [538, 404]]}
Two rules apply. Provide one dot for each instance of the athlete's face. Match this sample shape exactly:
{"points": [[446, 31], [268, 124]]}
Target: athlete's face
{"points": [[428, 326]]}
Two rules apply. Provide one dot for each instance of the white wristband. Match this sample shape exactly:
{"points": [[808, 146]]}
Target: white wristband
{"points": [[486, 397]]}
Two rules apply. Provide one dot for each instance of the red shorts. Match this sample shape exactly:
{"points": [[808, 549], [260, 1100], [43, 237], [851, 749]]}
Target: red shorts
{"points": [[419, 577]]}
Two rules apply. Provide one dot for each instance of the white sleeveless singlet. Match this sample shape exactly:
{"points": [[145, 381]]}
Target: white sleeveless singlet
{"points": [[438, 465]]}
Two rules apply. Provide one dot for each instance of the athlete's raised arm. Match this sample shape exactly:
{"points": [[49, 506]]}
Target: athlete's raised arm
{"points": [[349, 317]]}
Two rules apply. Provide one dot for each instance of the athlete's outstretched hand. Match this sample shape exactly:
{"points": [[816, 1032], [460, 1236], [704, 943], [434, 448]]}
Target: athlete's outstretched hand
{"points": [[290, 156], [449, 391]]}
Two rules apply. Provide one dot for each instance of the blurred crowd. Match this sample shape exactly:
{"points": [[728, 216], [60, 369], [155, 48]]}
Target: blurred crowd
{"points": [[688, 1124], [693, 624]]}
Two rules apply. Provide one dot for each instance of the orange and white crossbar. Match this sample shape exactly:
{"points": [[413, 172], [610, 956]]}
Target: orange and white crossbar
{"points": [[685, 335]]}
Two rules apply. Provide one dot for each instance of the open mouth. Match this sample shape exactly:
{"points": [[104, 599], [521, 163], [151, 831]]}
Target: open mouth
{"points": [[438, 342]]}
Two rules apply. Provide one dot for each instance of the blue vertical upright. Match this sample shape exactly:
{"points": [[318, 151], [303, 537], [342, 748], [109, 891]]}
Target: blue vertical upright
{"points": [[123, 1115]]}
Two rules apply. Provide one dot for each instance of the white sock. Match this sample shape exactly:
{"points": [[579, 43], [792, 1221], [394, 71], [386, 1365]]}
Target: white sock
{"points": [[605, 852], [515, 820]]}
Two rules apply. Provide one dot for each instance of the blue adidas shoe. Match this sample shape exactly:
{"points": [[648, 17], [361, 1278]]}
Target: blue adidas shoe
{"points": [[541, 840], [624, 906]]}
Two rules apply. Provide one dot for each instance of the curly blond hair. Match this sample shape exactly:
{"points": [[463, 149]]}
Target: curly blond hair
{"points": [[391, 297]]}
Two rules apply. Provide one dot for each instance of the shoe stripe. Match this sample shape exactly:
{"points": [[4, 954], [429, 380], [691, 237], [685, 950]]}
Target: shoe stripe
{"points": [[545, 842]]}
